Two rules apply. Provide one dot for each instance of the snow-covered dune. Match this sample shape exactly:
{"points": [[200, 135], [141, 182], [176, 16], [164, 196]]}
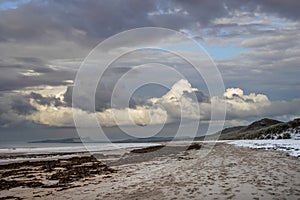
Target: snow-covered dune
{"points": [[291, 146]]}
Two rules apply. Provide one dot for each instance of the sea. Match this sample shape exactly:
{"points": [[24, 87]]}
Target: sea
{"points": [[27, 151]]}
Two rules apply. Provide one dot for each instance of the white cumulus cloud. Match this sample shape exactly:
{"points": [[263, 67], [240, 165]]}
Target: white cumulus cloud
{"points": [[173, 106]]}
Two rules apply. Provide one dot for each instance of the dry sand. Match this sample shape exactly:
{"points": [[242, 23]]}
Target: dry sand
{"points": [[228, 172]]}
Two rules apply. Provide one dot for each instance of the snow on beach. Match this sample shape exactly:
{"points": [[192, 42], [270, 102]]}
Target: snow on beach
{"points": [[292, 147]]}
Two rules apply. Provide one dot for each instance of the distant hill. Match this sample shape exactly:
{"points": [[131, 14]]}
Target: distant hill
{"points": [[263, 123], [262, 129], [154, 139], [133, 140], [64, 140]]}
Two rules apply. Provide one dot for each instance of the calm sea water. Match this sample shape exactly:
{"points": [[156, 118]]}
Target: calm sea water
{"points": [[42, 148]]}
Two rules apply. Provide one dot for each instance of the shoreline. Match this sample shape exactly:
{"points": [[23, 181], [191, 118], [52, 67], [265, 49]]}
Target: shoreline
{"points": [[31, 153]]}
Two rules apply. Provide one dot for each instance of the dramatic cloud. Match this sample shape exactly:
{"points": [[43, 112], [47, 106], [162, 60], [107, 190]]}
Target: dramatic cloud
{"points": [[169, 108], [283, 8], [264, 56], [179, 103], [20, 73], [49, 100], [13, 109], [67, 29], [255, 44], [242, 106]]}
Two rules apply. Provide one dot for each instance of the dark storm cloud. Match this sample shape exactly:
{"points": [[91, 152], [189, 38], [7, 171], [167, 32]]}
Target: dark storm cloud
{"points": [[49, 100], [197, 96], [95, 18], [37, 64], [68, 95], [12, 109], [103, 93], [31, 60], [287, 8], [12, 80], [85, 20], [80, 25], [202, 11], [22, 106], [12, 75]]}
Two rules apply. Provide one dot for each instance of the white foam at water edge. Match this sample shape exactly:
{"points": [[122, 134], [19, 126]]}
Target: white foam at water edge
{"points": [[290, 146]]}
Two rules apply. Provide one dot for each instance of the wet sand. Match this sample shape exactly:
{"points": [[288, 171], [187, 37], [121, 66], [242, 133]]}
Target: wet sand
{"points": [[227, 172]]}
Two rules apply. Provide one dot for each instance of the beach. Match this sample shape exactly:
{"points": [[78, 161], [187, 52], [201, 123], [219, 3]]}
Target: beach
{"points": [[227, 172]]}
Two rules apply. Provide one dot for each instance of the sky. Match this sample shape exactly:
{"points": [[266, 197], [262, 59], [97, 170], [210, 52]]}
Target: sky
{"points": [[254, 44]]}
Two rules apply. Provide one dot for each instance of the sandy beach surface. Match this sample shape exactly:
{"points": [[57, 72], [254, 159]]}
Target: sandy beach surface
{"points": [[227, 172]]}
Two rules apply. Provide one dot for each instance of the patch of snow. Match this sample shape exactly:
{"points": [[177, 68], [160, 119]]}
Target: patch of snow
{"points": [[294, 133], [292, 147]]}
